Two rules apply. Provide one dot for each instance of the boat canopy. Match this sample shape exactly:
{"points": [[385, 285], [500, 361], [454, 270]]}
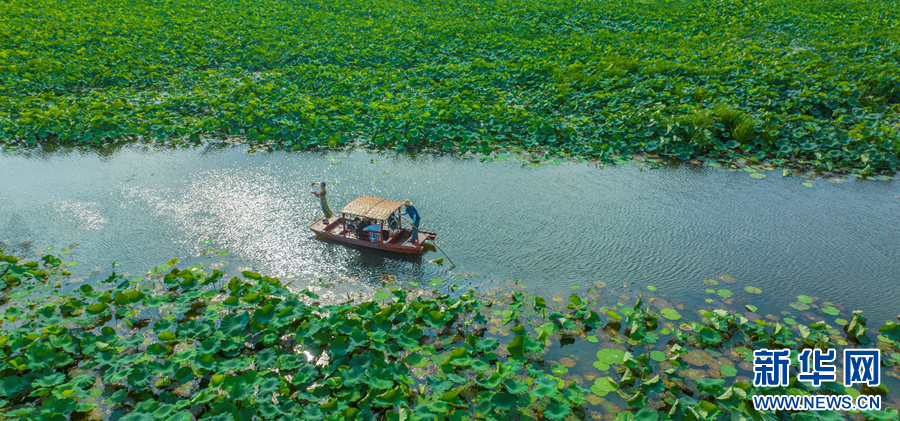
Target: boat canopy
{"points": [[371, 207]]}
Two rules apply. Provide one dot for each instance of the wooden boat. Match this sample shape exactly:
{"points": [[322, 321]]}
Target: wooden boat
{"points": [[376, 236]]}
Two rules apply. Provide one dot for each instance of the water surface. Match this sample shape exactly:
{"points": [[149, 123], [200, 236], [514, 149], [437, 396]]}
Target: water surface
{"points": [[552, 227]]}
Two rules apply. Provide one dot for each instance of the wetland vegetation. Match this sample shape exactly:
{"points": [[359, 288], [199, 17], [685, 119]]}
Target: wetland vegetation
{"points": [[775, 83], [749, 85], [190, 343]]}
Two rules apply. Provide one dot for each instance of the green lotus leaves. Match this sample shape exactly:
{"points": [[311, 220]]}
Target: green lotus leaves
{"points": [[805, 299], [670, 313], [158, 350], [138, 416], [436, 318], [891, 332], [709, 336], [15, 295], [881, 415], [559, 370], [49, 380], [724, 293], [40, 355], [543, 387], [459, 357], [516, 387], [128, 297], [831, 311], [97, 308], [646, 414], [753, 290], [730, 103], [505, 400], [609, 356], [139, 377], [480, 365], [728, 371], [603, 386], [487, 344], [167, 336], [391, 398], [800, 306], [709, 385], [557, 410], [282, 357]]}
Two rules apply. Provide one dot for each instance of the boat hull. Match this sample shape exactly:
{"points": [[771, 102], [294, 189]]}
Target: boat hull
{"points": [[333, 230]]}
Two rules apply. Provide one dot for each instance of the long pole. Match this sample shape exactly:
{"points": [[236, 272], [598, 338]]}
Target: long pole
{"points": [[452, 265]]}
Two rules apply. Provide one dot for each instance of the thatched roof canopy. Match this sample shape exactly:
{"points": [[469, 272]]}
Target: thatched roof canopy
{"points": [[371, 207]]}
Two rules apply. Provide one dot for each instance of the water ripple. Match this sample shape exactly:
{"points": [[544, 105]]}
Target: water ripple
{"points": [[551, 227]]}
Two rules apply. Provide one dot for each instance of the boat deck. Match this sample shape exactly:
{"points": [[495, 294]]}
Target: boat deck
{"points": [[335, 229]]}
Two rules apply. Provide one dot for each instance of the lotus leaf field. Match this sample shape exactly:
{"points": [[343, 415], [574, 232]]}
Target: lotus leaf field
{"points": [[810, 84], [185, 343]]}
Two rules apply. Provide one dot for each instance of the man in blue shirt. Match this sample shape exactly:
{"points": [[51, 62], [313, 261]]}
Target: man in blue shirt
{"points": [[414, 215]]}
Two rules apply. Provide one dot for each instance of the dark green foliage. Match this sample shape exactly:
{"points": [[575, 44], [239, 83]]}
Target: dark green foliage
{"points": [[171, 347], [811, 83]]}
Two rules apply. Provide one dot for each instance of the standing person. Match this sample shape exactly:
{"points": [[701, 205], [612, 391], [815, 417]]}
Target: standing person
{"points": [[324, 201], [414, 215]]}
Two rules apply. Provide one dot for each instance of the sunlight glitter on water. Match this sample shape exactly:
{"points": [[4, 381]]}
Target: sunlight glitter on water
{"points": [[552, 227]]}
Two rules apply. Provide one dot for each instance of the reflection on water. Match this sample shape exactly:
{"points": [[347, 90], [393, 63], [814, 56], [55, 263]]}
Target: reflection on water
{"points": [[552, 227]]}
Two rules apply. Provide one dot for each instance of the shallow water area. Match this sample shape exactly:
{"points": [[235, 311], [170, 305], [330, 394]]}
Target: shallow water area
{"points": [[552, 227]]}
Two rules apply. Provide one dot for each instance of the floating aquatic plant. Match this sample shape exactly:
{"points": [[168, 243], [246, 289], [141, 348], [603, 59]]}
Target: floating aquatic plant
{"points": [[187, 343], [753, 81]]}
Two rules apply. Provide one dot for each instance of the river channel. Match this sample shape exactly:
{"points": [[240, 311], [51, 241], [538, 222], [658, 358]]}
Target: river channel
{"points": [[552, 227]]}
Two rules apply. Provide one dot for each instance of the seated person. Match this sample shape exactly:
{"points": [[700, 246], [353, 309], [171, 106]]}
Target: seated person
{"points": [[351, 225], [362, 225], [393, 223]]}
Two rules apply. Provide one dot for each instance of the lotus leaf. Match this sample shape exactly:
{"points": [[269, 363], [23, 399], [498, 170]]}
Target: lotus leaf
{"points": [[709, 385], [645, 414], [603, 385], [609, 356], [670, 313], [728, 371], [804, 299], [800, 306], [557, 410], [753, 290], [281, 357]]}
